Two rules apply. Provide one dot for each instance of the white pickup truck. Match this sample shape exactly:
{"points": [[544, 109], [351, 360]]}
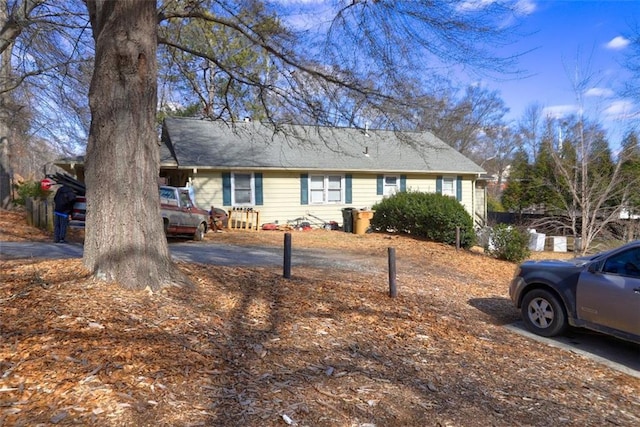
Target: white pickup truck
{"points": [[179, 214]]}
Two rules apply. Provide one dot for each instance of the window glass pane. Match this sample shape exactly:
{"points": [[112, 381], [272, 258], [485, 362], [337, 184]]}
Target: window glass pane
{"points": [[317, 196], [335, 182], [334, 196], [243, 196], [242, 181], [390, 185], [626, 263], [167, 193], [448, 188], [317, 183], [242, 191], [325, 189]]}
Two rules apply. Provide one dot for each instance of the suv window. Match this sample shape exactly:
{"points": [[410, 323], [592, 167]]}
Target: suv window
{"points": [[626, 263]]}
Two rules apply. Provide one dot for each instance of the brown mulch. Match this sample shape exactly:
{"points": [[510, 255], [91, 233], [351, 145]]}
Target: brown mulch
{"points": [[325, 348]]}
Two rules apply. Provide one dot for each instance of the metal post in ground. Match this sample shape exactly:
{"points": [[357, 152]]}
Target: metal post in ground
{"points": [[287, 256], [393, 291]]}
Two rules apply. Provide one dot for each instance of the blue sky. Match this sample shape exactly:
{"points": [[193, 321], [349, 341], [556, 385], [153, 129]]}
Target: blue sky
{"points": [[591, 37], [588, 36]]}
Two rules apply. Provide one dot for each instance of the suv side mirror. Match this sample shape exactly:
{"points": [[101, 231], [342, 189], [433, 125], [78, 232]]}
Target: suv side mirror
{"points": [[594, 267]]}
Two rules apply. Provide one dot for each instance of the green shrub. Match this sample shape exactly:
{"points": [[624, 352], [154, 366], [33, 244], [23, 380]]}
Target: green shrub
{"points": [[494, 205], [29, 189], [428, 215], [509, 243]]}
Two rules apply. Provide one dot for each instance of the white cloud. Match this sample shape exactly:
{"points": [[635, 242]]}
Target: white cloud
{"points": [[472, 5], [522, 7], [618, 43], [598, 91], [526, 7], [559, 111], [621, 110]]}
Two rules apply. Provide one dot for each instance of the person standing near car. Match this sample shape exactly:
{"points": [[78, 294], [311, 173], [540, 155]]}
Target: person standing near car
{"points": [[62, 207]]}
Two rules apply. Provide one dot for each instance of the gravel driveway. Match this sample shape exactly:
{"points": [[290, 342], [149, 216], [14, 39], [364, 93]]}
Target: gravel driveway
{"points": [[214, 253]]}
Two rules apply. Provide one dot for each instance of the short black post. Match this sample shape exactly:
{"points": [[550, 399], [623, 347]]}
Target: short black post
{"points": [[457, 238], [287, 256], [393, 291]]}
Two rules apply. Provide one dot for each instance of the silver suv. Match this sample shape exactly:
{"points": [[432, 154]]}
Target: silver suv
{"points": [[599, 292]]}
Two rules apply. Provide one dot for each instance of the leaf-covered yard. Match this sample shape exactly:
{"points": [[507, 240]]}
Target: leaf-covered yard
{"points": [[325, 348]]}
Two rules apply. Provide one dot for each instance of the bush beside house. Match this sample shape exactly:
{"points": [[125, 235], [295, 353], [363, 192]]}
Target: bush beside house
{"points": [[429, 215]]}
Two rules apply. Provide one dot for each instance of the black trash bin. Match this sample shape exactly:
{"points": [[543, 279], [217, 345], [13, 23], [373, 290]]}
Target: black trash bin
{"points": [[347, 220]]}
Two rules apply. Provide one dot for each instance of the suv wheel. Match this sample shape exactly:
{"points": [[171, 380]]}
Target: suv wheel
{"points": [[543, 314]]}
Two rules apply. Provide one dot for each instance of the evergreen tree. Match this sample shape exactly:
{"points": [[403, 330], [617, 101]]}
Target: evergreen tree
{"points": [[518, 195], [631, 171]]}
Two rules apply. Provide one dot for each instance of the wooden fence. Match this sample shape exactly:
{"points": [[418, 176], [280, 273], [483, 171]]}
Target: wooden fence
{"points": [[40, 212]]}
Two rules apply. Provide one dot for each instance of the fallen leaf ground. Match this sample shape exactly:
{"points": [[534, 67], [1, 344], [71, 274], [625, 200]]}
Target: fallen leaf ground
{"points": [[326, 348]]}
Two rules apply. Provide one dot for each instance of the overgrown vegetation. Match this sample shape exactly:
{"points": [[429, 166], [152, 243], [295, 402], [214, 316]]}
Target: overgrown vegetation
{"points": [[576, 181], [494, 204], [29, 189], [429, 215], [508, 243]]}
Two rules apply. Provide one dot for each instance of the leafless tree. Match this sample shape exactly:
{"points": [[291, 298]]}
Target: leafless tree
{"points": [[368, 50], [463, 121], [584, 187], [500, 145], [529, 128], [43, 111], [632, 63]]}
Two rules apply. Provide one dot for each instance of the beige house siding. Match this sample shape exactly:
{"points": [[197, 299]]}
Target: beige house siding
{"points": [[281, 195], [364, 191], [467, 196], [208, 189]]}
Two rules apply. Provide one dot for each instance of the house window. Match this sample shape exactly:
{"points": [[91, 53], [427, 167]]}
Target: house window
{"points": [[326, 189], [391, 185], [242, 189], [449, 186]]}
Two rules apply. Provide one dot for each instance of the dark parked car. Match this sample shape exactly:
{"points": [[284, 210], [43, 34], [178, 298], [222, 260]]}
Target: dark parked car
{"points": [[600, 292]]}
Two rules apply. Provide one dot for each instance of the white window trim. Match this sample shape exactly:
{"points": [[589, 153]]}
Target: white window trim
{"points": [[454, 185], [388, 190], [233, 189], [325, 195]]}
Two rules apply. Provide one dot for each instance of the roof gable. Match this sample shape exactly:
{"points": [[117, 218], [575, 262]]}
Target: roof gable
{"points": [[201, 143]]}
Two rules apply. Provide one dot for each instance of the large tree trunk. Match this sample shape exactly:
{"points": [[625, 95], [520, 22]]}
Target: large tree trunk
{"points": [[5, 114], [124, 240]]}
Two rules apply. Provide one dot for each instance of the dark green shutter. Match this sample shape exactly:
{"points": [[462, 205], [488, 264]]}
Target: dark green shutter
{"points": [[226, 189], [439, 184], [257, 179], [380, 185], [403, 182], [459, 188], [304, 189], [348, 196]]}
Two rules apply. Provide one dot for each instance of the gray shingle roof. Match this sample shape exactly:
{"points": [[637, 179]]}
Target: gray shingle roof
{"points": [[198, 143]]}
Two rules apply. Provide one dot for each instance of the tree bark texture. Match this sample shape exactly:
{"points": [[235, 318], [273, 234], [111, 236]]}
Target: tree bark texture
{"points": [[5, 114], [124, 237]]}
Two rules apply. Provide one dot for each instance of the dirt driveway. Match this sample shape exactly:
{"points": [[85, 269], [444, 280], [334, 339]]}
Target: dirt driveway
{"points": [[326, 348]]}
